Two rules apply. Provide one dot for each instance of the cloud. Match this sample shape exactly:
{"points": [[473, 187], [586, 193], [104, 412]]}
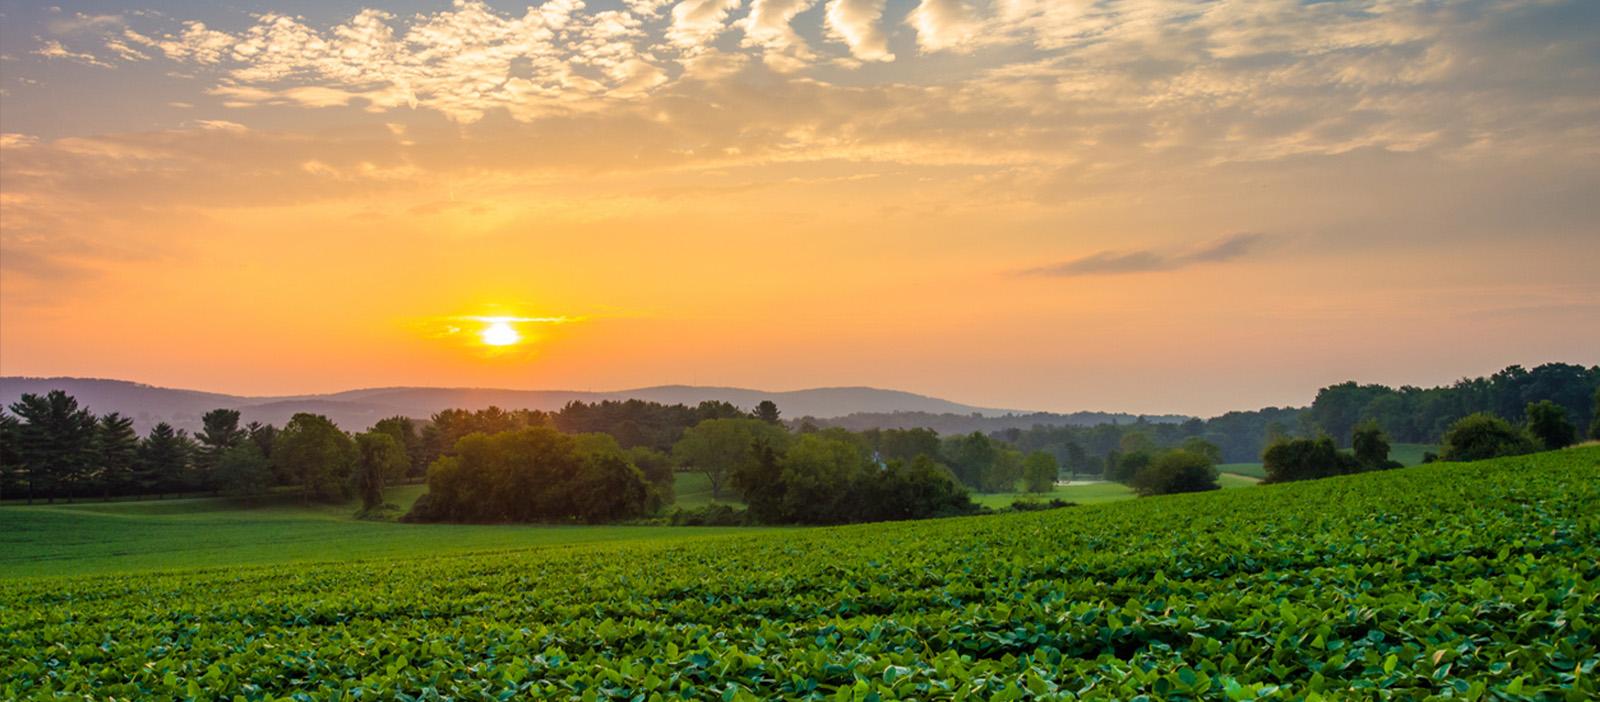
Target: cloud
{"points": [[696, 23], [53, 49], [1144, 261], [944, 24], [770, 26], [855, 22]]}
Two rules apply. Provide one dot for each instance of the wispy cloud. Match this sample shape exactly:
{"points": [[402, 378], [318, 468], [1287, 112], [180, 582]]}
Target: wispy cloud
{"points": [[1148, 260]]}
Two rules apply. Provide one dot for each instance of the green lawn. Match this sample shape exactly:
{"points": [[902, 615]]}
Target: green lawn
{"points": [[1086, 494], [693, 491], [94, 537]]}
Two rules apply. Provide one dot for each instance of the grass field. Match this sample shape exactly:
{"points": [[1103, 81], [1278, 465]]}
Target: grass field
{"points": [[119, 537], [1406, 454], [1478, 581]]}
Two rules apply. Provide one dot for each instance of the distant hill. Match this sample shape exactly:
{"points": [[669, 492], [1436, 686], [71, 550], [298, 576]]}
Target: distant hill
{"points": [[952, 423], [358, 409]]}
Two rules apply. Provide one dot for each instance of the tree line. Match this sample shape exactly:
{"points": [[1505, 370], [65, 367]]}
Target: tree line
{"points": [[51, 448]]}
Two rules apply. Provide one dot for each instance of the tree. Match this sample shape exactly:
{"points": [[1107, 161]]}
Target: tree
{"points": [[719, 447], [1480, 436], [1288, 460], [12, 471], [404, 432], [1594, 425], [380, 460], [766, 411], [313, 453], [164, 457], [1039, 472], [1547, 422], [116, 453], [819, 473], [55, 442], [219, 432], [657, 468], [263, 436], [530, 475], [1371, 446], [1195, 444], [241, 471], [1176, 471]]}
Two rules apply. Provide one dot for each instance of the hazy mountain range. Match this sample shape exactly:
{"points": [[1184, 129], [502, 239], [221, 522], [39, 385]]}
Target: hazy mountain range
{"points": [[358, 409]]}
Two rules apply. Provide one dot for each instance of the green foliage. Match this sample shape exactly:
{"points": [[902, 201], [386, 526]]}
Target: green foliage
{"points": [[1039, 472], [536, 474], [116, 448], [314, 454], [1371, 447], [1439, 582], [1481, 436], [1288, 460], [380, 460], [54, 443], [164, 459], [1547, 422], [1594, 425], [404, 432], [1175, 471], [720, 447], [241, 471], [766, 411]]}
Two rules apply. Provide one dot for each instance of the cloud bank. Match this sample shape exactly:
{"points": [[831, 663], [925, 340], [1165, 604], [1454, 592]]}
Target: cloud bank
{"points": [[1229, 248]]}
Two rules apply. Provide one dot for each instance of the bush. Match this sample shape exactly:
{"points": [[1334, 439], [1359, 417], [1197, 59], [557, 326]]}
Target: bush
{"points": [[1371, 447], [1176, 471], [1480, 436], [1547, 422], [710, 515], [1288, 460], [1037, 506]]}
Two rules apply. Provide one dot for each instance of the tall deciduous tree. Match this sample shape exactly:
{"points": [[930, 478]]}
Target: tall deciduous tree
{"points": [[404, 432], [316, 455], [718, 447], [380, 460], [1039, 472], [241, 471]]}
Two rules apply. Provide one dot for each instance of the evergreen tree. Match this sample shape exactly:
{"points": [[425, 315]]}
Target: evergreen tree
{"points": [[219, 432], [55, 442], [117, 453], [164, 457]]}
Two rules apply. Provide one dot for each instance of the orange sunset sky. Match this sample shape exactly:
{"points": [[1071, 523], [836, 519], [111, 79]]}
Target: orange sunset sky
{"points": [[1140, 205]]}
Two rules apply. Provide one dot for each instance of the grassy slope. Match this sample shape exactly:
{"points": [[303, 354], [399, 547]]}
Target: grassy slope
{"points": [[90, 537]]}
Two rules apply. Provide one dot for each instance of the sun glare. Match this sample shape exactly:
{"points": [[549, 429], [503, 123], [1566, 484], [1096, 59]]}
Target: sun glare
{"points": [[500, 333]]}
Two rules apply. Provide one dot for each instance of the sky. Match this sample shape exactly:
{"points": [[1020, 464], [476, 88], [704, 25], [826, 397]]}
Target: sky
{"points": [[1131, 205]]}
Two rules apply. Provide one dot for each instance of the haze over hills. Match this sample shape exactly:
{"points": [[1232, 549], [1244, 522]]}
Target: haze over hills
{"points": [[358, 409]]}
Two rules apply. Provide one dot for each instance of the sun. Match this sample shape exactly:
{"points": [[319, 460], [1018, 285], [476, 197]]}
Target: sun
{"points": [[499, 333]]}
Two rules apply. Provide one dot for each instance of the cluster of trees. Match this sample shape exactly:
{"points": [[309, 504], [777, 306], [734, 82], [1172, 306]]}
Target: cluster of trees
{"points": [[1475, 437], [535, 474], [827, 476], [1419, 415], [1288, 460], [51, 448]]}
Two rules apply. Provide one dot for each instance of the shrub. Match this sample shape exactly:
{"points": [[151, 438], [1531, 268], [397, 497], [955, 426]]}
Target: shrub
{"points": [[1371, 447], [1547, 422], [1176, 471], [1287, 460], [1482, 435]]}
